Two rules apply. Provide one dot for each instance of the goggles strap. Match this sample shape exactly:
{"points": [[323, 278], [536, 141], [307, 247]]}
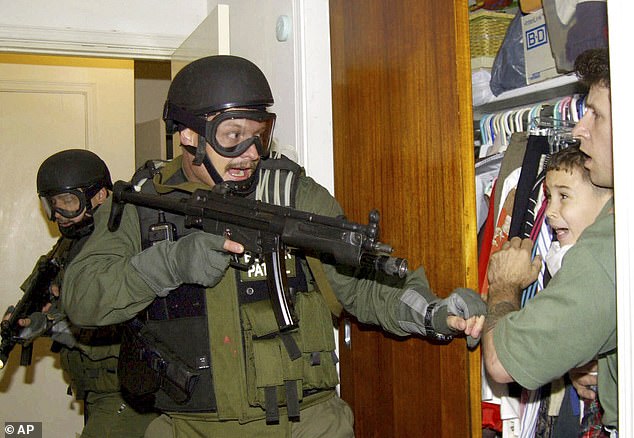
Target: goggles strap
{"points": [[201, 151], [182, 117], [213, 173]]}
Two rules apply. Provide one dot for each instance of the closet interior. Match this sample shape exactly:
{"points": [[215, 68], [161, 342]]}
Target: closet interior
{"points": [[404, 125], [516, 129]]}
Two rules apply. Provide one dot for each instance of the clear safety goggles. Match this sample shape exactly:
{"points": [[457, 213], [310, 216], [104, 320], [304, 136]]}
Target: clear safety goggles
{"points": [[69, 204], [231, 133]]}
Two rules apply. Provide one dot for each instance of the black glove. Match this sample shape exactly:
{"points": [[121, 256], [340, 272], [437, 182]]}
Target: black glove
{"points": [[198, 258]]}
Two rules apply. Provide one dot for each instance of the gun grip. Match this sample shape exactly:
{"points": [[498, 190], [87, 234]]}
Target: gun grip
{"points": [[26, 354]]}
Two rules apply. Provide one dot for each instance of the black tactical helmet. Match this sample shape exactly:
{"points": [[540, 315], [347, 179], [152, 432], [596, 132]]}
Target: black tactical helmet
{"points": [[217, 83], [66, 183], [72, 169]]}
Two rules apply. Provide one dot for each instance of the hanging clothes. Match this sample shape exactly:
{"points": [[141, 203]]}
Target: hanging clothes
{"points": [[518, 209]]}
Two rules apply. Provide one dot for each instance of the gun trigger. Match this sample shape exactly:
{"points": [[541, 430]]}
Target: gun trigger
{"points": [[237, 264]]}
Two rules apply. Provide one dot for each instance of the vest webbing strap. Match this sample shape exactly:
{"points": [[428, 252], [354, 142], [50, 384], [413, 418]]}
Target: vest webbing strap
{"points": [[292, 400], [270, 404], [324, 287], [292, 349]]}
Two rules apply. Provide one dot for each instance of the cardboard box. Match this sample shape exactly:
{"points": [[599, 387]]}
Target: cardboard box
{"points": [[540, 64]]}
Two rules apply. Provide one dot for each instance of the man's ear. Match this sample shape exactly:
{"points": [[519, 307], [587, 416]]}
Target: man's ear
{"points": [[187, 137], [100, 197]]}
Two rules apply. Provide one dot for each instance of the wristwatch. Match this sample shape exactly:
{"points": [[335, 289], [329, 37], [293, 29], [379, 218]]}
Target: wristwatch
{"points": [[429, 328]]}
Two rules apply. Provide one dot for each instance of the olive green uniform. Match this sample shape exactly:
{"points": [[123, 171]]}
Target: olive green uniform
{"points": [[91, 365], [247, 356]]}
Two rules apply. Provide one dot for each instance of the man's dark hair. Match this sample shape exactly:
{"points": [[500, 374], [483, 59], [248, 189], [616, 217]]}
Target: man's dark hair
{"points": [[593, 67], [569, 159]]}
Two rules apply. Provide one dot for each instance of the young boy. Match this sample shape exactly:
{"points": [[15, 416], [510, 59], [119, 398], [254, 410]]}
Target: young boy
{"points": [[573, 204], [573, 201]]}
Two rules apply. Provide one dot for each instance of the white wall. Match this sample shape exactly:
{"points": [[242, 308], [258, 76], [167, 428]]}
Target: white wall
{"points": [[620, 22], [298, 69]]}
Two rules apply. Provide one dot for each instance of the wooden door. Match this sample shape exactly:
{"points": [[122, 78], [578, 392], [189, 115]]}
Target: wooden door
{"points": [[403, 142]]}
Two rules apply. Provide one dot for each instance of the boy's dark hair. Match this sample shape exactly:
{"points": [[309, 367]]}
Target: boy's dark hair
{"points": [[593, 67], [569, 159]]}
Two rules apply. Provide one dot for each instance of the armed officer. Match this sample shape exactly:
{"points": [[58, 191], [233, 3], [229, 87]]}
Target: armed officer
{"points": [[72, 184], [224, 366]]}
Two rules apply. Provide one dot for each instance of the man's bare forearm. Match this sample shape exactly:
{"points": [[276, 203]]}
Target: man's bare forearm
{"points": [[510, 270], [496, 312], [499, 303]]}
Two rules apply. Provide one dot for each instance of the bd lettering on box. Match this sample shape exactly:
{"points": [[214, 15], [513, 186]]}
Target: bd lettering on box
{"points": [[536, 37], [538, 57]]}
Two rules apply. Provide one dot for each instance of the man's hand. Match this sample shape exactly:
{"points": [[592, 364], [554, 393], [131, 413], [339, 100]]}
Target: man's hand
{"points": [[23, 322], [584, 379], [461, 312], [472, 328], [510, 270], [198, 258], [511, 267]]}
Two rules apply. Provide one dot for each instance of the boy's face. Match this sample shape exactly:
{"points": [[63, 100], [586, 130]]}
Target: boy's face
{"points": [[573, 203]]}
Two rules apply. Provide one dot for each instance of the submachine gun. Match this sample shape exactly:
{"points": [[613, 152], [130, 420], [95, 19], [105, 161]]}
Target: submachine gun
{"points": [[34, 299], [267, 230]]}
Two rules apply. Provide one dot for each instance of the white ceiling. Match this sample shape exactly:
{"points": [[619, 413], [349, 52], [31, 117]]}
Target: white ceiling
{"points": [[141, 28]]}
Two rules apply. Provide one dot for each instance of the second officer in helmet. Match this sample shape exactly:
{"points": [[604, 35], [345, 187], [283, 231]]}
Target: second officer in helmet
{"points": [[72, 185], [216, 322]]}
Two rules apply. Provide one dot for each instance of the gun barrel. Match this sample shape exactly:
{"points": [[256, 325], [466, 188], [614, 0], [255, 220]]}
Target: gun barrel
{"points": [[386, 264]]}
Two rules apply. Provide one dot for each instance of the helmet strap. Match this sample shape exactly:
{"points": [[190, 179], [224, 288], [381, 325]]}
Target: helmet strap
{"points": [[201, 151], [82, 228]]}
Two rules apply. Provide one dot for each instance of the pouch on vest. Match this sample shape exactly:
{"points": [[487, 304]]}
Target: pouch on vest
{"points": [[153, 366], [86, 375], [270, 367], [268, 360], [179, 375]]}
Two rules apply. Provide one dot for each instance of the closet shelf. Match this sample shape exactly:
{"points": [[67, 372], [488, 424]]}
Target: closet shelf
{"points": [[539, 92]]}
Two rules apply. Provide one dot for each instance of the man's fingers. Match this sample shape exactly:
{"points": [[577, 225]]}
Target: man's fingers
{"points": [[474, 326], [233, 247], [456, 323], [54, 290], [586, 393], [526, 244], [518, 243], [536, 265]]}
